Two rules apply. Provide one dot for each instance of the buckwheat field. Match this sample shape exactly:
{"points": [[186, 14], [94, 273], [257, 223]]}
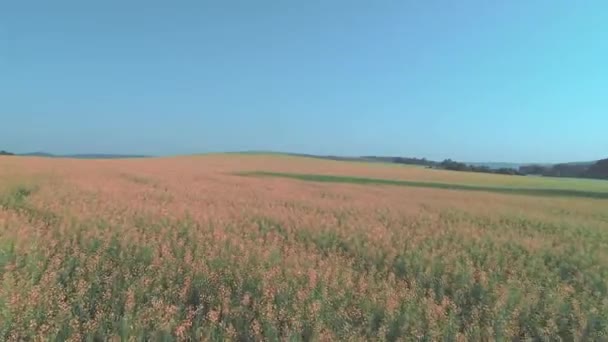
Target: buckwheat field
{"points": [[258, 247]]}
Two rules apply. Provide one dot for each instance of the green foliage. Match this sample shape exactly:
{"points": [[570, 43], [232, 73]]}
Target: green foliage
{"points": [[16, 199], [599, 170], [449, 164], [446, 186], [16, 196]]}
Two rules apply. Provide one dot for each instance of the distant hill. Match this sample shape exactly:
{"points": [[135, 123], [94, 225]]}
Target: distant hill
{"points": [[36, 154], [83, 156], [585, 169], [419, 161], [104, 156], [5, 153]]}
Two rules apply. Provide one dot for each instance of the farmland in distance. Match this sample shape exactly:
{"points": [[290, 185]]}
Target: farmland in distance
{"points": [[258, 247]]}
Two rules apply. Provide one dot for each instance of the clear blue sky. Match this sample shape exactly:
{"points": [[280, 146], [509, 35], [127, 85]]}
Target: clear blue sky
{"points": [[472, 80]]}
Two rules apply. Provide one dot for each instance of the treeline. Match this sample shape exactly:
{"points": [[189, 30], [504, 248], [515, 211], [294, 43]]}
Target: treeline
{"points": [[4, 153], [401, 160], [598, 170], [449, 164], [413, 161]]}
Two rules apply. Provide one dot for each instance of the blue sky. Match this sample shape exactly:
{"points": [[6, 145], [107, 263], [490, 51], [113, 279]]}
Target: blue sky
{"points": [[479, 80]]}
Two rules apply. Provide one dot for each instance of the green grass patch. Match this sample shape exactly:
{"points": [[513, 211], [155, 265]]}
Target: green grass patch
{"points": [[16, 199], [16, 196], [446, 186]]}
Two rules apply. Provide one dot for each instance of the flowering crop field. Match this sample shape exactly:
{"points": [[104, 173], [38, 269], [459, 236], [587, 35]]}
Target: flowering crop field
{"points": [[254, 247]]}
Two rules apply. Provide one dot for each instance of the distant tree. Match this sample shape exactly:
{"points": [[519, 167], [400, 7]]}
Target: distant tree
{"points": [[533, 169], [598, 170], [508, 171], [4, 153], [449, 164], [484, 169], [566, 170], [412, 161]]}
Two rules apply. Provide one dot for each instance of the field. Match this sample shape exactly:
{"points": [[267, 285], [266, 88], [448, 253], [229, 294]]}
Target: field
{"points": [[255, 247]]}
